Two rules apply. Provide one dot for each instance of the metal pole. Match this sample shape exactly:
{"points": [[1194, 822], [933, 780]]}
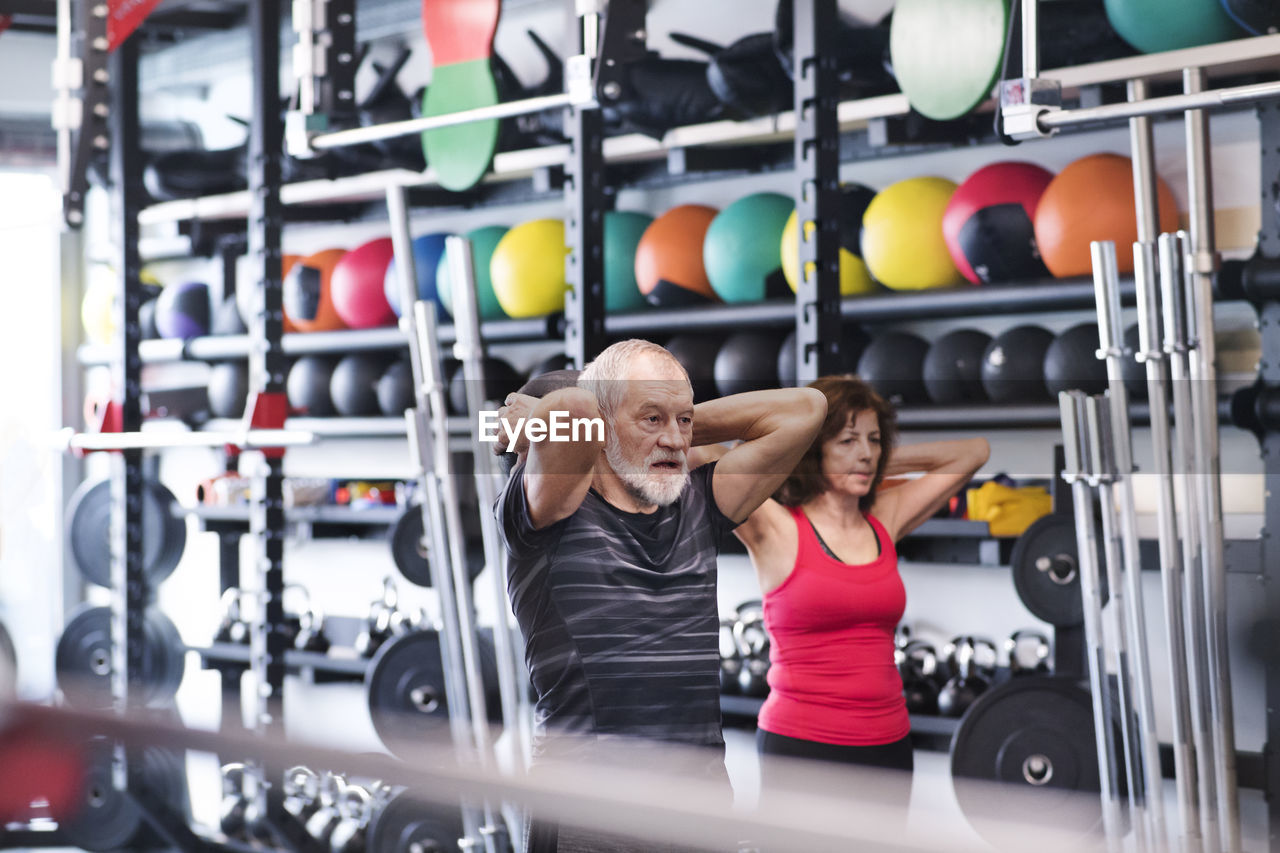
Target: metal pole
{"points": [[469, 349], [1170, 557], [1203, 261], [1098, 423], [1218, 98], [1071, 405], [1030, 39], [429, 395], [1172, 281]]}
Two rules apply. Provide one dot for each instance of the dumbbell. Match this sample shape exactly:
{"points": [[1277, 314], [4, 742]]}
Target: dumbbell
{"points": [[730, 659], [325, 819], [1028, 652], [753, 646], [917, 667], [231, 817]]}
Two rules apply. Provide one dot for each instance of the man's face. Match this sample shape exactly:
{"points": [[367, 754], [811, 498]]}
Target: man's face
{"points": [[651, 433]]}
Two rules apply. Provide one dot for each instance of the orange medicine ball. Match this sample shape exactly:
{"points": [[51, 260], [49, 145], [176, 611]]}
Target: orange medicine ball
{"points": [[669, 267], [1092, 199], [307, 301]]}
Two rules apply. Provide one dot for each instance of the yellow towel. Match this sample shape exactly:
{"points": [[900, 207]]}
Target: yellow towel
{"points": [[1009, 511]]}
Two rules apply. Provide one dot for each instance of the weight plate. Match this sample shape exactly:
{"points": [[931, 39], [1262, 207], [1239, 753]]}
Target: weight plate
{"points": [[407, 551], [1046, 573], [108, 819], [406, 693], [1037, 734], [405, 821], [164, 535], [83, 659]]}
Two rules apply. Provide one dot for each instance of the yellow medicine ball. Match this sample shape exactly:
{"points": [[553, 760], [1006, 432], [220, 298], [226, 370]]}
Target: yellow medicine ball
{"points": [[902, 239], [854, 277], [527, 269]]}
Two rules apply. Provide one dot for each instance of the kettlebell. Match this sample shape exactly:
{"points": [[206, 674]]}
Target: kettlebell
{"points": [[325, 819], [311, 636], [231, 816], [301, 792], [964, 687], [1028, 652], [378, 624], [919, 664], [753, 647], [730, 659], [356, 809], [233, 628]]}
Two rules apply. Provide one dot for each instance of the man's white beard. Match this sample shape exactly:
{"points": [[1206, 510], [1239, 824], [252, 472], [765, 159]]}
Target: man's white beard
{"points": [[644, 483]]}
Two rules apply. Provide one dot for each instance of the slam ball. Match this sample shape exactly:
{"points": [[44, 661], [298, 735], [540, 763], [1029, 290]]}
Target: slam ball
{"points": [[893, 364], [953, 367], [395, 389], [182, 310], [853, 340], [988, 224], [428, 250], [527, 269], [747, 361], [500, 379], [353, 386], [307, 386], [228, 389], [670, 270], [902, 240], [1152, 26], [1013, 365], [622, 232], [697, 355], [357, 285], [1072, 363]]}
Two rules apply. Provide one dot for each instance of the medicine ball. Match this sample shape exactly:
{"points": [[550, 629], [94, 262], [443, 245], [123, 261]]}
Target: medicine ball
{"points": [[147, 320], [747, 361], [1152, 26], [893, 364], [228, 388], [738, 251], [1259, 17], [357, 287], [902, 240], [483, 242], [670, 271], [854, 276], [226, 320], [558, 361], [988, 223], [182, 310], [1013, 365], [395, 389], [97, 309], [1133, 371], [1092, 199], [853, 340], [353, 385], [500, 379], [527, 269], [697, 355], [427, 253], [307, 386], [308, 303], [622, 232], [1072, 363], [248, 297], [953, 367]]}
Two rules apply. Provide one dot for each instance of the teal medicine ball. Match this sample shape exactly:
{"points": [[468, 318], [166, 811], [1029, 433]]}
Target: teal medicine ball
{"points": [[622, 232], [483, 242], [740, 251], [1153, 26]]}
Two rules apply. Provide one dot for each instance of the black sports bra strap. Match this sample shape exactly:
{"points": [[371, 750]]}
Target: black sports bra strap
{"points": [[827, 548]]}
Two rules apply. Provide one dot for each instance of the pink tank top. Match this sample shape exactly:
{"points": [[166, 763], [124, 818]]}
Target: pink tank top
{"points": [[832, 678]]}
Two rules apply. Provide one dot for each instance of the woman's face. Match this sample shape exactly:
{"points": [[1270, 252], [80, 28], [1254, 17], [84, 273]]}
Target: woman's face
{"points": [[851, 457]]}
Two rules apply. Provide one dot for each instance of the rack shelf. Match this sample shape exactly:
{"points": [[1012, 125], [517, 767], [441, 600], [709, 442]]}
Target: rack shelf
{"points": [[1242, 56], [333, 519], [306, 663]]}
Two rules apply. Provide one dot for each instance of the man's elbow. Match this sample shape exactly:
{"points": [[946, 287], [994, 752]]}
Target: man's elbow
{"points": [[577, 402]]}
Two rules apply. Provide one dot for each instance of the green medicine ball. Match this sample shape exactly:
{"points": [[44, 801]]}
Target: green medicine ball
{"points": [[483, 241], [741, 248], [622, 232], [1153, 26]]}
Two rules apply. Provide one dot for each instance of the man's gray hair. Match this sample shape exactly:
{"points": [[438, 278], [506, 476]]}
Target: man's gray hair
{"points": [[605, 377]]}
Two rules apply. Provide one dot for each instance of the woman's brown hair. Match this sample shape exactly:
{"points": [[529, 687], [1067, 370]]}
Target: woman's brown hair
{"points": [[846, 397]]}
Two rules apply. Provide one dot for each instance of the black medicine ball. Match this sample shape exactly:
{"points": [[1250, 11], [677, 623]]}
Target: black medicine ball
{"points": [[1013, 365], [953, 367]]}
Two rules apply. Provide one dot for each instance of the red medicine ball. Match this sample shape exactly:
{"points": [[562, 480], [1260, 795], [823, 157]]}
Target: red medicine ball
{"points": [[989, 226], [356, 288]]}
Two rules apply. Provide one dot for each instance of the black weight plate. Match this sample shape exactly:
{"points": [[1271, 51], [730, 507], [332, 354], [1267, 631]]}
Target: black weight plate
{"points": [[406, 550], [405, 688], [83, 659], [108, 819], [1036, 734], [1052, 596], [164, 536], [405, 821]]}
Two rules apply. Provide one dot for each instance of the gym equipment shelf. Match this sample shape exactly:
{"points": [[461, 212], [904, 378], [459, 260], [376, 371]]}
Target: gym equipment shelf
{"points": [[324, 520], [298, 662], [1242, 56]]}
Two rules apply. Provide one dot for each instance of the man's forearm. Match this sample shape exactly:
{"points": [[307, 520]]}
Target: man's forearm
{"points": [[745, 417]]}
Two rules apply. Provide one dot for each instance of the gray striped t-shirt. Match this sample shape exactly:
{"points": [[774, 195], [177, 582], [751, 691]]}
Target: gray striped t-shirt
{"points": [[619, 615]]}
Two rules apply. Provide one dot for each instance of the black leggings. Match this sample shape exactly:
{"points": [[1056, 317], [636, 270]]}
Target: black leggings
{"points": [[892, 789]]}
